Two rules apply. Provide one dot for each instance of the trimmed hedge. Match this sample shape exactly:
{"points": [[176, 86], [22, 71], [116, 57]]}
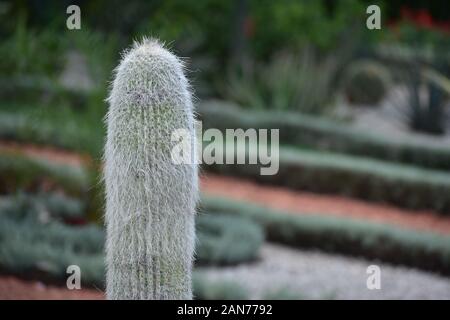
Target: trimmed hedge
{"points": [[46, 205], [422, 250], [374, 180], [321, 134], [33, 248], [40, 89], [205, 289], [22, 128], [35, 243], [18, 171], [61, 133], [225, 239]]}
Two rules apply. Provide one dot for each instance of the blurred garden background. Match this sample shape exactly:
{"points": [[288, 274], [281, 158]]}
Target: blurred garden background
{"points": [[364, 119]]}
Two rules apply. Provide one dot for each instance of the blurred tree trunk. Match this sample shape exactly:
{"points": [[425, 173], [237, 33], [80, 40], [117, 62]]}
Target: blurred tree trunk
{"points": [[238, 39]]}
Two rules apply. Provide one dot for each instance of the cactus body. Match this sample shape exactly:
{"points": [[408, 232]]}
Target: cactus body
{"points": [[150, 201]]}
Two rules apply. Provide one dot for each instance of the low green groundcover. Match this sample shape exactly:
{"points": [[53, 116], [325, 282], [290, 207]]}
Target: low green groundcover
{"points": [[353, 237], [35, 239]]}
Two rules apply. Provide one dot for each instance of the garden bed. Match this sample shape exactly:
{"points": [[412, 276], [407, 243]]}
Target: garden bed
{"points": [[307, 131], [427, 251], [359, 177], [300, 202]]}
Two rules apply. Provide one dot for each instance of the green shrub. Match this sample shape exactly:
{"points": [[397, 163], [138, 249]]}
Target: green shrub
{"points": [[29, 247], [35, 243], [395, 245], [225, 239], [321, 134], [292, 24], [29, 174], [366, 83], [27, 51], [50, 205], [205, 289]]}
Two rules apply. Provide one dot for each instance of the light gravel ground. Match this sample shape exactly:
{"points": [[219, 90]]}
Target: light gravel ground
{"points": [[316, 275]]}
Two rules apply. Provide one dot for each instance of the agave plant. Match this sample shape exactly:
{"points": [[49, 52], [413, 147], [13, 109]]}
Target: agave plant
{"points": [[298, 82], [425, 97], [423, 87]]}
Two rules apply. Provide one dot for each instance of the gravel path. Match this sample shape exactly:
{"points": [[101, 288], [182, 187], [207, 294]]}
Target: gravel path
{"points": [[315, 275]]}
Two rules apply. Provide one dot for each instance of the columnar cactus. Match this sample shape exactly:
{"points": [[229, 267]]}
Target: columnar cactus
{"points": [[150, 200]]}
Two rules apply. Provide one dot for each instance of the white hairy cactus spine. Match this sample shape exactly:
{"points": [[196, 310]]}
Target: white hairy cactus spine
{"points": [[150, 200]]}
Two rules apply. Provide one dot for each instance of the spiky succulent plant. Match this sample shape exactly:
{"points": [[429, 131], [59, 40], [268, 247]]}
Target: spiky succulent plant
{"points": [[150, 200]]}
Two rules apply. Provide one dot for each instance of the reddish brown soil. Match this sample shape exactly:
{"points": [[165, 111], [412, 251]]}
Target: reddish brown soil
{"points": [[12, 288], [308, 203], [47, 153]]}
